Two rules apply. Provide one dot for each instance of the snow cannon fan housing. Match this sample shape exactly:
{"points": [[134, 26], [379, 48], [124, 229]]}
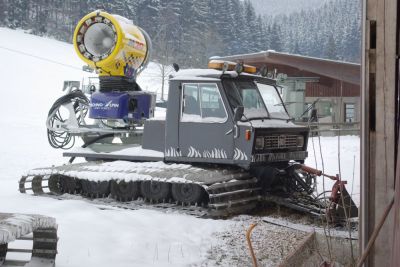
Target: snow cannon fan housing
{"points": [[118, 50], [112, 45]]}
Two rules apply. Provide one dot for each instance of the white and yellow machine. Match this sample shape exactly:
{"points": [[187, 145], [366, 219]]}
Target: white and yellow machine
{"points": [[112, 45]]}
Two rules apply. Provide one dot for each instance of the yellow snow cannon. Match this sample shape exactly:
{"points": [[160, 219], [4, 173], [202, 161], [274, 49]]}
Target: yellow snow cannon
{"points": [[112, 45]]}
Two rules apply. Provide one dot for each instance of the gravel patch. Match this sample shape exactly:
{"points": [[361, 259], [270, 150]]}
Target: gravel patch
{"points": [[271, 243]]}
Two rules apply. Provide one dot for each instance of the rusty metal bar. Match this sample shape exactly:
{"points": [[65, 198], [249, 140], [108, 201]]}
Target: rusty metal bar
{"points": [[318, 172], [248, 238]]}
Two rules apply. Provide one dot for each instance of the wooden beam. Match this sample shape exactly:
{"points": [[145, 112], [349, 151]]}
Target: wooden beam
{"points": [[378, 130]]}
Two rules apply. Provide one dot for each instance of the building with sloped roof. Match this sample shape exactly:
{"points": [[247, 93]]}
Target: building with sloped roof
{"points": [[332, 86]]}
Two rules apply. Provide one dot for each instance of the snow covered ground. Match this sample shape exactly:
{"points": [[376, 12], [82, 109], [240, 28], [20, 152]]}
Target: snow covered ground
{"points": [[324, 155], [31, 79]]}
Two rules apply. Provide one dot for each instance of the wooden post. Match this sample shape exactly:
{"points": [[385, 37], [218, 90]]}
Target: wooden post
{"points": [[378, 126]]}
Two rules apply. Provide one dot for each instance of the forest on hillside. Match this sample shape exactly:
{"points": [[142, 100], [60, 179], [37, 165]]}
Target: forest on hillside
{"points": [[274, 7], [190, 31]]}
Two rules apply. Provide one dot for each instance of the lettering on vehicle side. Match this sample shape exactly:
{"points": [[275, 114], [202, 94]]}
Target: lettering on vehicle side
{"points": [[273, 157], [100, 105]]}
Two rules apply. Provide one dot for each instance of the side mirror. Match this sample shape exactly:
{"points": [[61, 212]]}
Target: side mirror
{"points": [[239, 110]]}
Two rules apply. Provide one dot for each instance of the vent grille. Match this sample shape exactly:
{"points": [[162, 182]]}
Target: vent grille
{"points": [[281, 141]]}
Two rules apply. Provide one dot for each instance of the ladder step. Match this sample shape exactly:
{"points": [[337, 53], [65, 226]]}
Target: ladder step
{"points": [[44, 251], [26, 238], [249, 190], [231, 184], [45, 230], [14, 263], [45, 240], [233, 202], [19, 250]]}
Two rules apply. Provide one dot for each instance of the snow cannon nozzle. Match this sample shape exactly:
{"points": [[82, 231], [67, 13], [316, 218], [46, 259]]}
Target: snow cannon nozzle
{"points": [[112, 45]]}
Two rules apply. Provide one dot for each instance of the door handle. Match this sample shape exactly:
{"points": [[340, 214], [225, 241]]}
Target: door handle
{"points": [[236, 129]]}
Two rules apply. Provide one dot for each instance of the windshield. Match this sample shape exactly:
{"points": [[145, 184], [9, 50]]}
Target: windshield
{"points": [[246, 94], [273, 101], [258, 100]]}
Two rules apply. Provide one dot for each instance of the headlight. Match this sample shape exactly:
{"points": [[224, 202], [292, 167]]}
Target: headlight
{"points": [[300, 141], [260, 142]]}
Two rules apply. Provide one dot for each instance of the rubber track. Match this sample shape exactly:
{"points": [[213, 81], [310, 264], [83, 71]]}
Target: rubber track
{"points": [[232, 191], [34, 228]]}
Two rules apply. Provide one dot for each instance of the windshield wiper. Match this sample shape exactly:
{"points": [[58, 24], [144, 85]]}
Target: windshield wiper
{"points": [[282, 119], [256, 118]]}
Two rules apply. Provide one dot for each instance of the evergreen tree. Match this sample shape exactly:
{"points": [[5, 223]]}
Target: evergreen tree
{"points": [[189, 32], [276, 43], [331, 50]]}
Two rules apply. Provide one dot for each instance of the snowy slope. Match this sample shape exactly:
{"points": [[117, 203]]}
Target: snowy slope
{"points": [[90, 236]]}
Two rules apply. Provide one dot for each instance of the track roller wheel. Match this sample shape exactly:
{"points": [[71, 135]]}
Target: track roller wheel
{"points": [[37, 185], [124, 191], [68, 184], [61, 184], [155, 191], [94, 189], [187, 193], [54, 184], [3, 253], [22, 186]]}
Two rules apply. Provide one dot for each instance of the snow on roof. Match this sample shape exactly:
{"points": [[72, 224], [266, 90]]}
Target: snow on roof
{"points": [[345, 71], [201, 74], [270, 52]]}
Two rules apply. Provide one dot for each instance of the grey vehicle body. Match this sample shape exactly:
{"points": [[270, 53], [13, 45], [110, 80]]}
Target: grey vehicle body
{"points": [[231, 130], [221, 140]]}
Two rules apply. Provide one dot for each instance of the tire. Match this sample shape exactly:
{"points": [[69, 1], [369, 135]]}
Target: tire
{"points": [[124, 191], [156, 191], [187, 193]]}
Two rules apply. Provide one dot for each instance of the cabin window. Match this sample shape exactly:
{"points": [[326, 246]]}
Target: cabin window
{"points": [[325, 109], [349, 112], [191, 102], [202, 103]]}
